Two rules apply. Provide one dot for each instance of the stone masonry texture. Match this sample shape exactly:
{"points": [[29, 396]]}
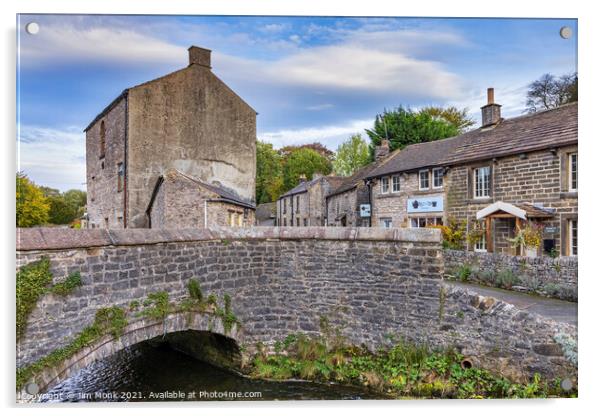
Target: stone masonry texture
{"points": [[371, 282]]}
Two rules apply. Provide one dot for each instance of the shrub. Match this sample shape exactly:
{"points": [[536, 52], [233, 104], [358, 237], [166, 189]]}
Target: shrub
{"points": [[194, 290], [463, 272], [506, 279], [67, 286]]}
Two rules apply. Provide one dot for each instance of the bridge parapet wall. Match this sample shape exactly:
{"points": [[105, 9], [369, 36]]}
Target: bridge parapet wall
{"points": [[373, 283]]}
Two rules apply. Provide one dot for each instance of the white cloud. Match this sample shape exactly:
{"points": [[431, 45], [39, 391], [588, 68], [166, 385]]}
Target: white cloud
{"points": [[320, 107], [52, 157], [61, 41], [330, 136]]}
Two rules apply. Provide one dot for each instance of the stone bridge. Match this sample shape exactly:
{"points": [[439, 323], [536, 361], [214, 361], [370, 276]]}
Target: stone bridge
{"points": [[372, 283]]}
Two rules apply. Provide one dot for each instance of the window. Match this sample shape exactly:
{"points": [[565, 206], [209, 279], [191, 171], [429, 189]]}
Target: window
{"points": [[423, 179], [396, 184], [386, 222], [421, 222], [384, 185], [106, 222], [120, 176], [283, 205], [103, 139], [572, 237], [297, 204], [305, 222], [482, 182], [239, 219], [481, 245], [285, 222], [438, 178], [573, 172], [298, 222]]}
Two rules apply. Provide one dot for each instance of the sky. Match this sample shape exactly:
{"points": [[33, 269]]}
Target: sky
{"points": [[309, 78]]}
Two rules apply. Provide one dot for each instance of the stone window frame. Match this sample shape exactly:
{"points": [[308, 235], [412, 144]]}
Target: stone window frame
{"points": [[120, 176], [564, 173], [420, 179], [473, 182], [435, 220], [393, 178], [384, 180], [103, 140], [573, 171], [565, 233], [385, 222], [297, 204], [433, 178]]}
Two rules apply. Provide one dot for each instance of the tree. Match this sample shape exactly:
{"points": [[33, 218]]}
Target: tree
{"points": [[64, 207], [32, 205], [268, 182], [550, 92], [318, 147], [303, 162], [452, 115], [403, 126], [351, 155]]}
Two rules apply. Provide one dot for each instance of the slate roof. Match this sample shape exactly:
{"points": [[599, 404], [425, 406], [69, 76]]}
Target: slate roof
{"points": [[265, 211], [418, 156], [542, 130], [334, 181], [225, 194]]}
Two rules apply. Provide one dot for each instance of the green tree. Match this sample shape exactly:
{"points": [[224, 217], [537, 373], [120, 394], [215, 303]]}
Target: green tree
{"points": [[452, 115], [64, 207], [351, 155], [303, 162], [550, 92], [403, 126], [268, 182], [32, 205]]}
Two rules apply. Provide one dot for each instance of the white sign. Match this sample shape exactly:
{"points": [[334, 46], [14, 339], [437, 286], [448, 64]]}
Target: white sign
{"points": [[364, 210], [429, 204]]}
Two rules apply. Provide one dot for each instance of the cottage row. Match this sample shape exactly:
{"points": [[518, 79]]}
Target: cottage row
{"points": [[507, 175]]}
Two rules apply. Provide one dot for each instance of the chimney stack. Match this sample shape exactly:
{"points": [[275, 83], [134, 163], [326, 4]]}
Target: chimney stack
{"points": [[199, 56], [490, 113], [381, 151]]}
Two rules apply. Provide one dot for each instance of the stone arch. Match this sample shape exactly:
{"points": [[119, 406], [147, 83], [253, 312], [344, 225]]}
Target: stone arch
{"points": [[139, 330]]}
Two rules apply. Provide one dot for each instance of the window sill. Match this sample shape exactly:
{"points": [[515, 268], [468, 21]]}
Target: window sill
{"points": [[480, 201], [569, 195], [389, 195]]}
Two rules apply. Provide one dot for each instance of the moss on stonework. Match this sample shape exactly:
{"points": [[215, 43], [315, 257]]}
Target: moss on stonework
{"points": [[107, 321], [33, 281]]}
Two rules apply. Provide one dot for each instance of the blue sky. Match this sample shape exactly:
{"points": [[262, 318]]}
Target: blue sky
{"points": [[309, 78]]}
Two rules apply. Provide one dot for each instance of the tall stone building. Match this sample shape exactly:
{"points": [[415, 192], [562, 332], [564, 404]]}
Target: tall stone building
{"points": [[189, 121]]}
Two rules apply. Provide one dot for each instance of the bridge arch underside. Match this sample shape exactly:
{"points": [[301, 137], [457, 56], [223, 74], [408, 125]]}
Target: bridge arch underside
{"points": [[193, 334], [372, 284]]}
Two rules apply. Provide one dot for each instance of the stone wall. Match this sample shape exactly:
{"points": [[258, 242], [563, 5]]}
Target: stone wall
{"points": [[371, 282], [556, 277], [104, 200]]}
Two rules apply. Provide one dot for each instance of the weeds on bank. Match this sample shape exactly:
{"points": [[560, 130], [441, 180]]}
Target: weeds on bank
{"points": [[404, 370]]}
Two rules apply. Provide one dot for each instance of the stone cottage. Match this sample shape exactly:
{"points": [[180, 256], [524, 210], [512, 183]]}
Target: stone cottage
{"points": [[499, 178], [182, 201], [408, 189], [305, 204], [512, 172], [348, 205], [188, 120]]}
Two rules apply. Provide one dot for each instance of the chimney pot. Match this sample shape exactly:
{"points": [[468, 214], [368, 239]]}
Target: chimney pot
{"points": [[490, 99], [199, 56]]}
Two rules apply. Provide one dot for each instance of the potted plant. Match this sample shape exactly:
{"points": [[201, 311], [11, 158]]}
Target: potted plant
{"points": [[528, 239]]}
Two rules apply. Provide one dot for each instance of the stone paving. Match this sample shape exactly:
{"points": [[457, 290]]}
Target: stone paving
{"points": [[558, 310]]}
